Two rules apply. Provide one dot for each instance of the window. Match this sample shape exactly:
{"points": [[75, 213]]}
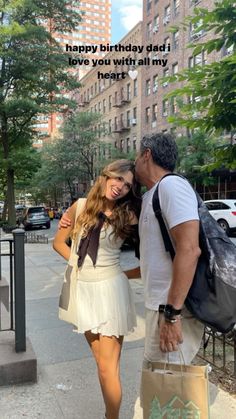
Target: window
{"points": [[194, 32], [165, 106], [104, 105], [154, 112], [166, 18], [149, 5], [99, 107], [128, 91], [128, 145], [173, 105], [147, 115], [199, 59], [110, 102], [176, 7], [128, 118], [175, 68], [148, 87], [190, 62], [165, 74], [109, 126], [167, 44], [91, 91], [135, 113], [134, 143], [156, 22], [149, 30], [121, 145], [216, 206], [135, 87], [176, 40], [155, 83], [95, 88]]}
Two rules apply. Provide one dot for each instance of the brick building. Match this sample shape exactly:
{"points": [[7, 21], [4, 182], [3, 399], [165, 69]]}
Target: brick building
{"points": [[95, 28], [118, 100], [158, 17]]}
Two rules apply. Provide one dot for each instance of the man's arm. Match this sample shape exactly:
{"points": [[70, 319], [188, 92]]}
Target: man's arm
{"points": [[185, 237]]}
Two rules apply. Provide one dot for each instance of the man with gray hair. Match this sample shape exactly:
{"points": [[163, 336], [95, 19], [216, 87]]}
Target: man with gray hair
{"points": [[166, 283]]}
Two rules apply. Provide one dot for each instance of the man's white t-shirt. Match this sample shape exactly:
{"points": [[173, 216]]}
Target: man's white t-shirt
{"points": [[178, 204]]}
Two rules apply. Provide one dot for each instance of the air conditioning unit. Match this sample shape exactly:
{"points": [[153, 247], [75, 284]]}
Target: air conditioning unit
{"points": [[154, 124], [195, 115], [155, 29], [229, 51], [196, 35], [155, 89], [134, 121], [166, 19]]}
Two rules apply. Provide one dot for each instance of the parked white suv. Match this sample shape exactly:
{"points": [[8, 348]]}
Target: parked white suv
{"points": [[224, 212]]}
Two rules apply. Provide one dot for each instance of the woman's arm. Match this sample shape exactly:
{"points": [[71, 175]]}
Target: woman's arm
{"points": [[59, 242]]}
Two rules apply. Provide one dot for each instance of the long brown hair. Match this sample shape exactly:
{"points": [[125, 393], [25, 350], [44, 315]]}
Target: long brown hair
{"points": [[96, 202]]}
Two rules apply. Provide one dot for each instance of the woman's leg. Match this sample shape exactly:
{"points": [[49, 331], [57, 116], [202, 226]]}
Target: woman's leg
{"points": [[107, 351]]}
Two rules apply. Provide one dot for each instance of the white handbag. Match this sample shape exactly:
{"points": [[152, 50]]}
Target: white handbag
{"points": [[68, 297]]}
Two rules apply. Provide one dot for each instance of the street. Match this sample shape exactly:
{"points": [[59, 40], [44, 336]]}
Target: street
{"points": [[67, 386]]}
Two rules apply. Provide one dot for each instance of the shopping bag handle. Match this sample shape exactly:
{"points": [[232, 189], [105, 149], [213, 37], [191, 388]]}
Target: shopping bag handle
{"points": [[152, 365]]}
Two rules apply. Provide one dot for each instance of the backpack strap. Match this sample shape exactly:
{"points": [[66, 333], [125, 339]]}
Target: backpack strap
{"points": [[157, 211]]}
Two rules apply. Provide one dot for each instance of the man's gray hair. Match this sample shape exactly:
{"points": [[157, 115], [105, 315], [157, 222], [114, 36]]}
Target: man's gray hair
{"points": [[163, 149]]}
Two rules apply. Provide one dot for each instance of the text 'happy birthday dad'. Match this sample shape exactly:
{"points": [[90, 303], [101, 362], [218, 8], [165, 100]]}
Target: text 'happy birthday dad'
{"points": [[93, 62]]}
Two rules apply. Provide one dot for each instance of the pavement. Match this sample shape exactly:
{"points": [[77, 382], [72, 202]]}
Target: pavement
{"points": [[67, 385]]}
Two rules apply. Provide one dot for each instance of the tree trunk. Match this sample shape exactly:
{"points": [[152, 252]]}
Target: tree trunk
{"points": [[11, 197]]}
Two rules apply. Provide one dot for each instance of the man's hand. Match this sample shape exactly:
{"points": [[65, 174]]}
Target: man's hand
{"points": [[170, 335], [65, 221]]}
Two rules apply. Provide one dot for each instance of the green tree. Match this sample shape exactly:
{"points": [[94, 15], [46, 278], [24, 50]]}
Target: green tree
{"points": [[194, 156], [74, 158], [210, 89], [82, 133], [33, 73]]}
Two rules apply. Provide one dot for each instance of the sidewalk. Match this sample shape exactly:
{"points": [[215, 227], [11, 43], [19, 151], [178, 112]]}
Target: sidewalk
{"points": [[67, 384]]}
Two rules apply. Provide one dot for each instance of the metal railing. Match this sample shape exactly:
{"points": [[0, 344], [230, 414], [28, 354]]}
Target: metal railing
{"points": [[220, 350], [15, 252]]}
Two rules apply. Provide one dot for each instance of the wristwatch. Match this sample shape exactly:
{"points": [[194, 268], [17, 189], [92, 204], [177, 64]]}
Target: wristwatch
{"points": [[170, 313]]}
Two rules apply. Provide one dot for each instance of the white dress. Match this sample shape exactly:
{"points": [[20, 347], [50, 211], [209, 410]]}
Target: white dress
{"points": [[104, 297]]}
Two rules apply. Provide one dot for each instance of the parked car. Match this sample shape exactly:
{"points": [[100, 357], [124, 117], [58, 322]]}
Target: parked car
{"points": [[35, 217], [224, 212]]}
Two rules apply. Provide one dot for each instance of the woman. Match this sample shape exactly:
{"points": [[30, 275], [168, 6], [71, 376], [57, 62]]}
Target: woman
{"points": [[105, 307]]}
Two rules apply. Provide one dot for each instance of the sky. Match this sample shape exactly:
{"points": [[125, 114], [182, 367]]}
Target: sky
{"points": [[125, 15]]}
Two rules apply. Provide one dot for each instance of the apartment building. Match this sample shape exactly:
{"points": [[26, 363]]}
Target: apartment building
{"points": [[95, 28], [158, 17], [117, 99]]}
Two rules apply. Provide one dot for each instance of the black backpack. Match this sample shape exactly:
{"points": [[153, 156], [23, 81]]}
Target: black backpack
{"points": [[212, 296]]}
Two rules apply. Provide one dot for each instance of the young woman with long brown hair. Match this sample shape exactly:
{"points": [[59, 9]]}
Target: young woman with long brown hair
{"points": [[105, 308]]}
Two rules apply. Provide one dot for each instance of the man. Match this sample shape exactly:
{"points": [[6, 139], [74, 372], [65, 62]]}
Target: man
{"points": [[166, 282]]}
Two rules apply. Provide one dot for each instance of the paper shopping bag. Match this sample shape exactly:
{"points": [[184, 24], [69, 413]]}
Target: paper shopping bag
{"points": [[174, 391]]}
